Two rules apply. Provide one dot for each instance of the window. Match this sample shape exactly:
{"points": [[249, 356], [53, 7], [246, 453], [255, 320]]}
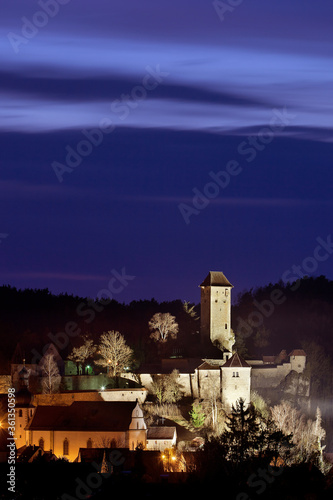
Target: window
{"points": [[226, 326], [89, 443], [20, 413], [226, 292], [235, 374], [41, 443], [65, 447]]}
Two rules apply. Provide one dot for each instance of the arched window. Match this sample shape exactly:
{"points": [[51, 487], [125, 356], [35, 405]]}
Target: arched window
{"points": [[89, 443], [41, 443], [20, 413], [65, 447]]}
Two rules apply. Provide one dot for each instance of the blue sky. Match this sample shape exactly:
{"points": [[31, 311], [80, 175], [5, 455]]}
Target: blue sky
{"points": [[114, 115]]}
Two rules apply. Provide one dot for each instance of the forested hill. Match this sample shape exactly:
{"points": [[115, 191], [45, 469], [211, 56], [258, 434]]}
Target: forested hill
{"points": [[285, 316], [29, 318], [266, 320]]}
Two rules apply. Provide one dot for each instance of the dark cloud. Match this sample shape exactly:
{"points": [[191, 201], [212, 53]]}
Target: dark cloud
{"points": [[120, 206]]}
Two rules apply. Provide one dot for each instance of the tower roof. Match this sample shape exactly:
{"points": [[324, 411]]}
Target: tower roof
{"points": [[216, 278], [297, 352], [236, 361]]}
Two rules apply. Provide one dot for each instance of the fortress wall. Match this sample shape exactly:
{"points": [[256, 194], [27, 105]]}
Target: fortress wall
{"points": [[209, 383], [263, 377], [65, 398], [124, 395]]}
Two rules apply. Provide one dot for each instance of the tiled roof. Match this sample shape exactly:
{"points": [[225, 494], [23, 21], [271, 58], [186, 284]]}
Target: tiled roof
{"points": [[215, 278], [161, 432], [268, 359], [236, 361], [207, 366], [84, 416], [297, 352]]}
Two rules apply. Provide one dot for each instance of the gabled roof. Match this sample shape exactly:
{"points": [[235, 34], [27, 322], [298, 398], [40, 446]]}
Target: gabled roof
{"points": [[84, 416], [236, 361], [216, 278], [208, 366], [161, 432], [297, 352]]}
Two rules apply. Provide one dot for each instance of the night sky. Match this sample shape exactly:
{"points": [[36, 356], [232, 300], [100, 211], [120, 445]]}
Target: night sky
{"points": [[145, 143]]}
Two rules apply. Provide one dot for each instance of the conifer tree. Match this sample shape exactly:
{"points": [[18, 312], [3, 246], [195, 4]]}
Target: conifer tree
{"points": [[242, 431]]}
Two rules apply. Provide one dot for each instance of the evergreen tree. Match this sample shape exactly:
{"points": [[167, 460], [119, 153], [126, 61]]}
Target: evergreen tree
{"points": [[197, 415], [242, 432]]}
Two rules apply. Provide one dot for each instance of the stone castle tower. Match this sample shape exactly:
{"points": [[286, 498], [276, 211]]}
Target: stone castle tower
{"points": [[236, 382], [215, 317]]}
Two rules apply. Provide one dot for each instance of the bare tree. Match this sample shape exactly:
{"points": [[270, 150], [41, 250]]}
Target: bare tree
{"points": [[212, 404], [307, 434], [163, 325], [115, 353], [166, 387], [190, 310], [80, 354], [50, 375]]}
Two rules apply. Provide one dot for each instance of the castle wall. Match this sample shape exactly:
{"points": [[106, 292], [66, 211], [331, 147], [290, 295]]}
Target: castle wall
{"points": [[209, 383], [67, 398], [124, 395], [267, 376]]}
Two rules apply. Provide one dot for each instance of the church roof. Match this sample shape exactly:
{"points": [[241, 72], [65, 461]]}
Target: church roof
{"points": [[84, 416], [236, 361], [216, 278], [161, 432]]}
